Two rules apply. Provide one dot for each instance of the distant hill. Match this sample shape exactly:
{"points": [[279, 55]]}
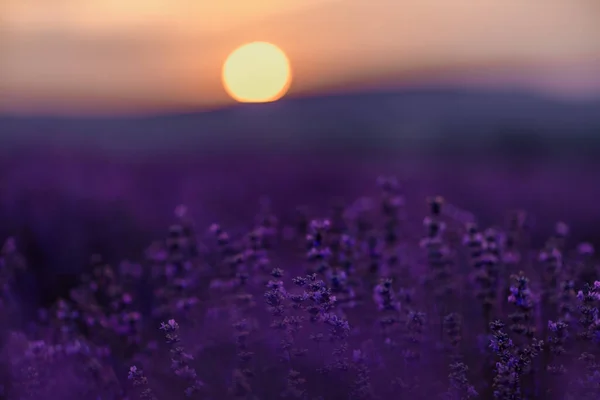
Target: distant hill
{"points": [[418, 119]]}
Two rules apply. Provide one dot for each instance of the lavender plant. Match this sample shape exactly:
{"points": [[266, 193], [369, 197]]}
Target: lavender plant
{"points": [[356, 305]]}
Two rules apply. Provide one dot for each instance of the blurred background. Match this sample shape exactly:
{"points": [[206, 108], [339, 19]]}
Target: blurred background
{"points": [[109, 56], [113, 112]]}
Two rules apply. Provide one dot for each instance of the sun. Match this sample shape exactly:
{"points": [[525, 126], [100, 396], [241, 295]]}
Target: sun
{"points": [[257, 72]]}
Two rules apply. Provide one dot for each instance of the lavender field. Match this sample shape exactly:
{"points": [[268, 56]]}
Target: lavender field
{"points": [[353, 269]]}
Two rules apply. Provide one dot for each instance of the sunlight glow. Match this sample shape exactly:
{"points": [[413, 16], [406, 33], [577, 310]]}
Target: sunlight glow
{"points": [[257, 72]]}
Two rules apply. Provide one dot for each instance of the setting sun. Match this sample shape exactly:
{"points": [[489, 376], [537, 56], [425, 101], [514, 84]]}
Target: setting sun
{"points": [[257, 72]]}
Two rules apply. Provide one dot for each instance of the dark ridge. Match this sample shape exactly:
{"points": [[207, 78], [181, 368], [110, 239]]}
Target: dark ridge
{"points": [[409, 120]]}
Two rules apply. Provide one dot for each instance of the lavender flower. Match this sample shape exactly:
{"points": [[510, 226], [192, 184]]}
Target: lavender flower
{"points": [[139, 380], [180, 359], [316, 336]]}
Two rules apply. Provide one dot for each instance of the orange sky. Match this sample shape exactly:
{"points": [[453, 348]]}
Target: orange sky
{"points": [[130, 55]]}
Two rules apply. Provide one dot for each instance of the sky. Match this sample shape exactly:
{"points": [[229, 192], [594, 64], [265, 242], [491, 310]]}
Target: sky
{"points": [[145, 55]]}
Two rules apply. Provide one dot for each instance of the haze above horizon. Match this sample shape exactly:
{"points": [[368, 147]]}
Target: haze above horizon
{"points": [[137, 55]]}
